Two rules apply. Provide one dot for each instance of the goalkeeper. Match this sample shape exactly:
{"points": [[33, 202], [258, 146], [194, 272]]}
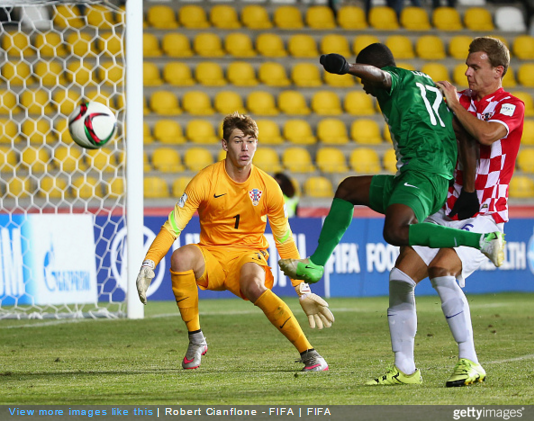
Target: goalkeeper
{"points": [[234, 199]]}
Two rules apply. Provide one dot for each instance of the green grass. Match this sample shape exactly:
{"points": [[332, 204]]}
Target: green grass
{"points": [[139, 361]]}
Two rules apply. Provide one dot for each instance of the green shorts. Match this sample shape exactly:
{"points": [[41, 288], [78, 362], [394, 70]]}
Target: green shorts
{"points": [[425, 194]]}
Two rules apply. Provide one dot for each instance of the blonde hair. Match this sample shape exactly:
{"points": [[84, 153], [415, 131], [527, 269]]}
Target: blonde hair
{"points": [[497, 52], [239, 121]]}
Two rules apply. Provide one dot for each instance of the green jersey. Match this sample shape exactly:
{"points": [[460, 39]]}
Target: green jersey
{"points": [[420, 123]]}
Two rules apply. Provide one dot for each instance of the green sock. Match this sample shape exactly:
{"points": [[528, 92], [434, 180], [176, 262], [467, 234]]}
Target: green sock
{"points": [[436, 236], [335, 224]]}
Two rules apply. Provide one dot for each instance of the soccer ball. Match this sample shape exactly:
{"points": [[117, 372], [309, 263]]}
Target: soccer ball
{"points": [[92, 125]]}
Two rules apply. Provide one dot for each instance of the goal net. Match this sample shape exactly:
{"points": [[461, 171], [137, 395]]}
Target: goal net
{"points": [[62, 212]]}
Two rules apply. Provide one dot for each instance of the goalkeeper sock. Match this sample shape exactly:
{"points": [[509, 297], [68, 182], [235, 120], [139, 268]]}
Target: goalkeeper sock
{"points": [[456, 310], [335, 224], [185, 290], [402, 319], [437, 236], [280, 315]]}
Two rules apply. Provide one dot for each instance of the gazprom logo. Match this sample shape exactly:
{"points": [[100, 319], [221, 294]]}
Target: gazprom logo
{"points": [[63, 280], [530, 254]]}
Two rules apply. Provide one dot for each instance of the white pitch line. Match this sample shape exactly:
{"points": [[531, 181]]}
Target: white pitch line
{"points": [[509, 360]]}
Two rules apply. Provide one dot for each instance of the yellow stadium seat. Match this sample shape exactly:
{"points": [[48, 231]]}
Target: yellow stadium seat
{"points": [[9, 131], [164, 103], [437, 71], [255, 16], [227, 102], [297, 159], [288, 17], [111, 73], [446, 19], [320, 17], [197, 158], [459, 46], [224, 16], [269, 132], [521, 187], [299, 132], [400, 46], [221, 155], [151, 75], [389, 161], [529, 102], [523, 47], [69, 159], [430, 47], [17, 73], [18, 187], [458, 76], [151, 46], [68, 16], [387, 134], [111, 44], [155, 188], [210, 73], [147, 134], [192, 16], [17, 44], [525, 75], [50, 44], [178, 74], [179, 185], [8, 158], [414, 19], [208, 44], [161, 17], [176, 45], [100, 96], [36, 102], [358, 103], [362, 41], [335, 43], [528, 133], [365, 131], [267, 159], [383, 18], [273, 74], [306, 75], [293, 103], [478, 19], [53, 187], [331, 160], [167, 160], [239, 44], [262, 103], [270, 45], [81, 73], [38, 131], [339, 81], [525, 160], [102, 159], [326, 103], [241, 73], [81, 44], [8, 102], [365, 161], [302, 46], [168, 131], [115, 187], [509, 81], [351, 17], [318, 187], [332, 131], [66, 100], [197, 103], [201, 131], [62, 131], [99, 16]]}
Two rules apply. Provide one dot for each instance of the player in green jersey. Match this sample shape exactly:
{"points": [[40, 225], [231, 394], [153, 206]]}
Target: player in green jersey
{"points": [[425, 144]]}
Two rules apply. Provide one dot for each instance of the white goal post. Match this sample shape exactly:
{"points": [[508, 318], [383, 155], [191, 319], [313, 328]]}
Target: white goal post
{"points": [[71, 220]]}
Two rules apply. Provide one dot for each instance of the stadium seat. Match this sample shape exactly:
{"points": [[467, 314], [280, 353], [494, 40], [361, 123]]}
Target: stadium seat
{"points": [[269, 132], [332, 131], [297, 159], [430, 47], [69, 159], [18, 187], [201, 131], [179, 185], [299, 132], [273, 74], [326, 103], [81, 44], [525, 75], [365, 161], [239, 44], [62, 131], [358, 103], [68, 16], [192, 16], [521, 187], [18, 73], [331, 160], [527, 99], [38, 131], [197, 103], [197, 158], [510, 19], [306, 75], [101, 96], [387, 134], [523, 47], [176, 45], [478, 19], [255, 16], [111, 44], [400, 46], [262, 103], [446, 19], [168, 131], [288, 17], [414, 19], [351, 17], [147, 134], [178, 74], [151, 46], [9, 131], [164, 103], [458, 76], [389, 161], [8, 157], [53, 187], [210, 73], [241, 73], [66, 100], [459, 46], [167, 160], [528, 133], [302, 46], [437, 71], [99, 16], [50, 44], [221, 155], [161, 17], [362, 41], [365, 131], [155, 188], [318, 187], [115, 187], [383, 18], [17, 44], [320, 17], [335, 43], [339, 81], [293, 103], [267, 159], [8, 102], [224, 16], [36, 102], [525, 160], [111, 73], [208, 44], [151, 76], [227, 102], [509, 80], [270, 45], [102, 159]]}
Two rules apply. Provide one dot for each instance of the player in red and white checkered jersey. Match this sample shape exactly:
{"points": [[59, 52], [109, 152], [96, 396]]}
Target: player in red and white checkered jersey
{"points": [[489, 134]]}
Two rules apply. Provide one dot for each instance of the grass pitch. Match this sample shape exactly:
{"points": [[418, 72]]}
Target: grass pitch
{"points": [[138, 362]]}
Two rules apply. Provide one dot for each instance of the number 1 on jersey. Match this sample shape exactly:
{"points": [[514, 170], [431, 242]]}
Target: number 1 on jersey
{"points": [[236, 226]]}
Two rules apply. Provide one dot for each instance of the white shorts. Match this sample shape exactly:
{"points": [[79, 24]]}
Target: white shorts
{"points": [[470, 257]]}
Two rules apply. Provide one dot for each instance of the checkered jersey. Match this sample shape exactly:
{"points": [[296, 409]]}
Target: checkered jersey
{"points": [[497, 161]]}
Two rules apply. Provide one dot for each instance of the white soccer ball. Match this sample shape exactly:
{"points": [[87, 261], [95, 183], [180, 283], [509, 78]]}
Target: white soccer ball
{"points": [[92, 125]]}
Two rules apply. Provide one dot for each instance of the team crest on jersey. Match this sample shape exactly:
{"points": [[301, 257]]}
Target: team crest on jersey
{"points": [[255, 196], [182, 200], [508, 109], [487, 116]]}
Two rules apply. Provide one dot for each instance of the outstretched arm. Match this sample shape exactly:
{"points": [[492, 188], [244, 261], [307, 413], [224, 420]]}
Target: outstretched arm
{"points": [[336, 63]]}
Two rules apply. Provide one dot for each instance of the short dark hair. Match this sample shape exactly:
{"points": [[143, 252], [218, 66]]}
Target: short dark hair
{"points": [[498, 54], [239, 121], [377, 54]]}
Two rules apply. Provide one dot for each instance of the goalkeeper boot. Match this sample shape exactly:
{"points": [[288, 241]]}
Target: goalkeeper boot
{"points": [[466, 372], [303, 269], [312, 361], [394, 377], [492, 246], [196, 349]]}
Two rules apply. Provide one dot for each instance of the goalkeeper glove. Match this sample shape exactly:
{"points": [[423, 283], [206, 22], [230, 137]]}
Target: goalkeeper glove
{"points": [[466, 205], [144, 278], [334, 63], [315, 307]]}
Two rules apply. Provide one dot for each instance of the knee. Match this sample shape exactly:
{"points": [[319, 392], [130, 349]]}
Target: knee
{"points": [[252, 288], [344, 189], [185, 258], [396, 235]]}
